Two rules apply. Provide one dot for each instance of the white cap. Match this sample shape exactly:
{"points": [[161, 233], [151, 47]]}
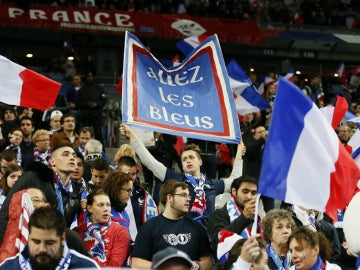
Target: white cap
{"points": [[55, 113]]}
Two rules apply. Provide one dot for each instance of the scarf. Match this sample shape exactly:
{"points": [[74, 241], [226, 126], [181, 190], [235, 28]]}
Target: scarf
{"points": [[234, 212], [63, 264], [17, 151], [62, 192], [199, 203], [43, 157], [276, 258], [95, 231], [319, 265], [122, 218]]}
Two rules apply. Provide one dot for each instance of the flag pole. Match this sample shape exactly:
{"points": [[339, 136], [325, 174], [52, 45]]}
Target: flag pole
{"points": [[254, 226]]}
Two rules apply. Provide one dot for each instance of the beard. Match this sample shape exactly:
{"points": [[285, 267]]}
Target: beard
{"points": [[48, 262]]}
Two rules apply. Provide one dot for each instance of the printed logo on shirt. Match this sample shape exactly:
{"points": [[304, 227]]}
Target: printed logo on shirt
{"points": [[180, 239]]}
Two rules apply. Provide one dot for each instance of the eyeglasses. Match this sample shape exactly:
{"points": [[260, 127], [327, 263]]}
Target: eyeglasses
{"points": [[44, 140], [128, 190], [38, 200], [184, 195]]}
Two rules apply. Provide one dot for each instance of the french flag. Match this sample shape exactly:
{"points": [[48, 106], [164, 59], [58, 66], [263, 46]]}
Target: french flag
{"points": [[247, 99], [342, 73], [26, 88], [354, 143], [335, 114], [263, 83], [306, 165], [187, 45]]}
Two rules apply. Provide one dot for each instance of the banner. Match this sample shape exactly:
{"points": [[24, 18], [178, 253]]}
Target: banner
{"points": [[117, 22], [192, 99]]}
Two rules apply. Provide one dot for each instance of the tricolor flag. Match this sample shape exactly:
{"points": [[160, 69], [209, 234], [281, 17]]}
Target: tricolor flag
{"points": [[192, 99], [247, 99], [342, 74], [354, 143], [26, 88], [264, 82], [306, 165], [17, 233], [289, 75], [187, 45], [335, 114]]}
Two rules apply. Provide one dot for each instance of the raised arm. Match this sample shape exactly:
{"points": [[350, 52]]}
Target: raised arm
{"points": [[156, 167], [237, 167]]}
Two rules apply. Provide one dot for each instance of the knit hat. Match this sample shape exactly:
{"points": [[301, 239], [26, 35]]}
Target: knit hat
{"points": [[169, 253], [227, 240], [55, 113]]}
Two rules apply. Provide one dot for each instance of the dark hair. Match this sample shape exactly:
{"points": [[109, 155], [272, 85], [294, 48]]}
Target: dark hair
{"points": [[47, 218], [11, 109], [100, 164], [114, 182], [79, 155], [61, 146], [308, 238], [9, 170], [193, 147], [15, 129], [8, 155], [87, 129], [169, 187], [27, 118], [96, 192], [236, 183], [67, 115], [127, 161], [270, 217]]}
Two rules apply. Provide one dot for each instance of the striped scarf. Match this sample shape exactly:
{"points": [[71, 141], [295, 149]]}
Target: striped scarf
{"points": [[95, 231]]}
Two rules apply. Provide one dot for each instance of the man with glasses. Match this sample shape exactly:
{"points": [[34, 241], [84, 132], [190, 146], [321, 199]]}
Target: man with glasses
{"points": [[173, 227], [237, 215], [202, 189], [68, 134]]}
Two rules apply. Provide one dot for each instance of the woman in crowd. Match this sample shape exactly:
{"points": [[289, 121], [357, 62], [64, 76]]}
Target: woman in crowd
{"points": [[310, 250], [119, 187], [8, 180], [277, 227], [107, 242]]}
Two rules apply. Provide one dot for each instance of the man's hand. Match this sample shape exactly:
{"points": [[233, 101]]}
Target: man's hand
{"points": [[241, 150], [249, 208], [127, 132], [250, 250]]}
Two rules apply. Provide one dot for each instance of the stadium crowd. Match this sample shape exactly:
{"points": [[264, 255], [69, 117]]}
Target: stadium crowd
{"points": [[202, 203], [331, 13]]}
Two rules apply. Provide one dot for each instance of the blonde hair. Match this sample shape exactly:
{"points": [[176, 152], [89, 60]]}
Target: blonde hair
{"points": [[38, 133], [124, 150]]}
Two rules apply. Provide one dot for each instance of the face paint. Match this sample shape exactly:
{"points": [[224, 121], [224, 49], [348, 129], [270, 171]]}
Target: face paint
{"points": [[52, 252]]}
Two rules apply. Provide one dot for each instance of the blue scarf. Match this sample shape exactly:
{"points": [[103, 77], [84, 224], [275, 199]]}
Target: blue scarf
{"points": [[63, 264], [95, 231], [62, 192], [276, 258], [319, 265], [234, 212], [121, 218]]}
